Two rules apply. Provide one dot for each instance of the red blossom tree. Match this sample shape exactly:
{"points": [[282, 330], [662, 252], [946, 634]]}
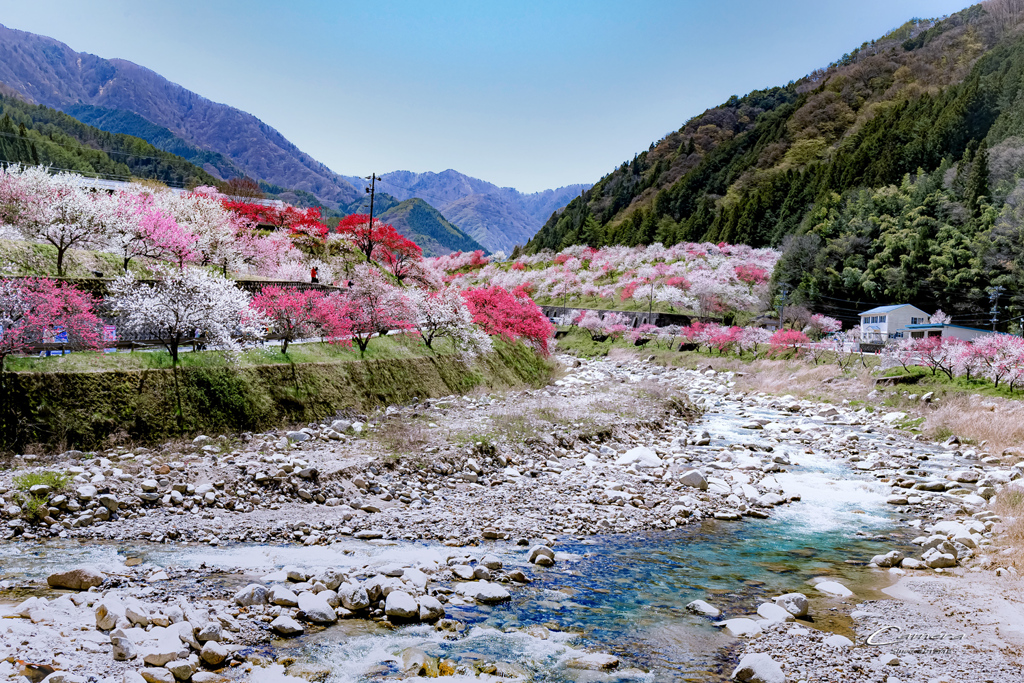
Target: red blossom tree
{"points": [[512, 315], [784, 340], [400, 255], [366, 237], [751, 275], [38, 311]]}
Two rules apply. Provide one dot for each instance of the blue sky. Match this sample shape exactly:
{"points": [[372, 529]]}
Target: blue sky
{"points": [[525, 94]]}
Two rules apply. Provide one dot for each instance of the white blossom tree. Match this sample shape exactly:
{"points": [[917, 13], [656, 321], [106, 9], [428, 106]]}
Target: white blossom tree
{"points": [[444, 314], [60, 212], [187, 305]]}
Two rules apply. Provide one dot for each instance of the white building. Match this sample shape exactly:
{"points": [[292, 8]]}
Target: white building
{"points": [[884, 323], [945, 330]]}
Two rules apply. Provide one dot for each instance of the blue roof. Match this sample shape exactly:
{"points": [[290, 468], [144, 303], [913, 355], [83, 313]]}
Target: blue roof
{"points": [[926, 326], [883, 309]]}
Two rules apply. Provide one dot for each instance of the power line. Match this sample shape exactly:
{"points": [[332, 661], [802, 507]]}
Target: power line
{"points": [[84, 146]]}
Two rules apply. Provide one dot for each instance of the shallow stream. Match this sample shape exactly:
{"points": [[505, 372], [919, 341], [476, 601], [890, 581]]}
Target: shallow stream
{"points": [[621, 594]]}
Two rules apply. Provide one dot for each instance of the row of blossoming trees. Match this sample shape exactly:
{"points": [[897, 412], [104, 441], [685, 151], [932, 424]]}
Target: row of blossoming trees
{"points": [[707, 279], [157, 227], [996, 357], [197, 238]]}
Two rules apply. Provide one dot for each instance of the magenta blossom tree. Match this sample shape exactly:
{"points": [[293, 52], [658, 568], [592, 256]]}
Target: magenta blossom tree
{"points": [[38, 311]]}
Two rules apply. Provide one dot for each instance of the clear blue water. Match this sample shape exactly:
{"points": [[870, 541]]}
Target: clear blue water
{"points": [[622, 594]]}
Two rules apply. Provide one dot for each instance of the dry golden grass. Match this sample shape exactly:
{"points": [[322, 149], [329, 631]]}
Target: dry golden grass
{"points": [[996, 422], [1010, 506], [617, 353]]}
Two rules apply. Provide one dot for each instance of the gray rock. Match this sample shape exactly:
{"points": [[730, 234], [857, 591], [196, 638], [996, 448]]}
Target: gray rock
{"points": [[742, 627], [794, 603], [181, 669], [890, 559], [353, 596], [772, 612], [297, 437], [124, 648], [542, 551], [111, 503], [160, 675], [695, 479], [464, 572], [838, 641], [491, 562], [213, 653], [401, 605], [253, 594], [210, 631], [108, 613], [484, 591], [314, 608], [87, 492], [758, 667], [431, 608], [279, 595], [701, 607], [286, 626], [78, 579]]}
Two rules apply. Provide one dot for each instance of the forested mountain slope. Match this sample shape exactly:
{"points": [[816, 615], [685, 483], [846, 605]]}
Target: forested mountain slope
{"points": [[37, 135], [891, 175], [46, 71]]}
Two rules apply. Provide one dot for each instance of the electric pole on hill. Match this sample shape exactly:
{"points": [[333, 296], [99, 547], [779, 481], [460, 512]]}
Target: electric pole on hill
{"points": [[782, 304], [372, 190], [993, 296]]}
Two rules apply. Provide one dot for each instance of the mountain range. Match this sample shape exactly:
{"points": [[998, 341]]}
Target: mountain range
{"points": [[121, 97], [497, 217]]}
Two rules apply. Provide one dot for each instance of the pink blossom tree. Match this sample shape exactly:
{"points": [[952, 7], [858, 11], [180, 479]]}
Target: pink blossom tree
{"points": [[293, 313], [376, 307], [784, 340], [33, 311]]}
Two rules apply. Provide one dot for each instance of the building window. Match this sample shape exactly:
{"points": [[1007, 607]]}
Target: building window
{"points": [[881, 318]]}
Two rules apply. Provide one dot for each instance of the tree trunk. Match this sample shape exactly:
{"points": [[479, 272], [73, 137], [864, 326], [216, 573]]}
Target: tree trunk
{"points": [[60, 261], [126, 260], [173, 348]]}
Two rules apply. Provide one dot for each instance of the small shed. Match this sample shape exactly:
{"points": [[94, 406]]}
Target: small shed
{"points": [[945, 331]]}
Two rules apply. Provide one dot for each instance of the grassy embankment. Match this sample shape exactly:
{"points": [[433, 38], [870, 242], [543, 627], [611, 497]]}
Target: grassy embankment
{"points": [[89, 400], [33, 259], [974, 409]]}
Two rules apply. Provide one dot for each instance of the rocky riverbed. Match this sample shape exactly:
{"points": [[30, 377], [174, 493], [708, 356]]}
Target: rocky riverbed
{"points": [[488, 491]]}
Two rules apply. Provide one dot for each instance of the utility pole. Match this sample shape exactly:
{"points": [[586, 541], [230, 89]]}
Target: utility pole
{"points": [[372, 190], [782, 304], [993, 296]]}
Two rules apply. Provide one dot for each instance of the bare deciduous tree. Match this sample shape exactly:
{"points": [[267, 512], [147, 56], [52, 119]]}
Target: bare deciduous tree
{"points": [[1008, 13]]}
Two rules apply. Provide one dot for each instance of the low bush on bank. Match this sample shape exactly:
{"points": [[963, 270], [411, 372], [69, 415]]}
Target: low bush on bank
{"points": [[57, 481]]}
